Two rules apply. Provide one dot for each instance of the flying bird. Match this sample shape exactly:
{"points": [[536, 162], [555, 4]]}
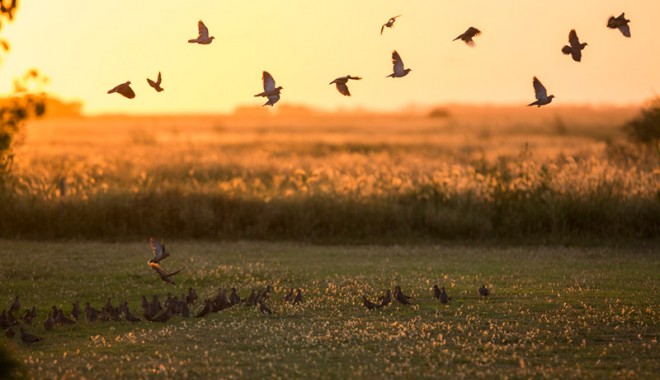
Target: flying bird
{"points": [[270, 91], [203, 37], [156, 84], [162, 274], [467, 36], [575, 47], [124, 89], [620, 23], [341, 84], [389, 23], [542, 97], [399, 71]]}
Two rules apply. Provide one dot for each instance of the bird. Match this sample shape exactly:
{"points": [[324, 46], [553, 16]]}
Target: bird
{"points": [[208, 305], [484, 291], [399, 296], [28, 338], [15, 305], [389, 23], [203, 37], [91, 313], [341, 84], [158, 250], [270, 91], [49, 323], [436, 291], [75, 310], [191, 298], [542, 97], [29, 315], [130, 317], [575, 47], [289, 296], [264, 308], [467, 36], [252, 298], [234, 298], [444, 298], [124, 89], [368, 304], [266, 294], [163, 317], [162, 274], [386, 299], [298, 298], [156, 84], [620, 23], [399, 71]]}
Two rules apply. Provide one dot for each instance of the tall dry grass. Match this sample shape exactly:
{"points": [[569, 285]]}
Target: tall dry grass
{"points": [[330, 178]]}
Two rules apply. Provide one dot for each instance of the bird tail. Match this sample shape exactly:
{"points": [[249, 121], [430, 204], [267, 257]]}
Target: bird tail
{"points": [[192, 41], [533, 104], [457, 37], [260, 94], [173, 273]]}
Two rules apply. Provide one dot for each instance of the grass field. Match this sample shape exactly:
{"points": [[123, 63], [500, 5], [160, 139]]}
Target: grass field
{"points": [[554, 311]]}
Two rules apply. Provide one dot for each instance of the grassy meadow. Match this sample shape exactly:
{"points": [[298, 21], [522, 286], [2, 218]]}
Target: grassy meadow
{"points": [[550, 175], [554, 311]]}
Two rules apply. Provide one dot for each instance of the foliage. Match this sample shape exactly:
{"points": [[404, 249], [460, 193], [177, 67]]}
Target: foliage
{"points": [[645, 128]]}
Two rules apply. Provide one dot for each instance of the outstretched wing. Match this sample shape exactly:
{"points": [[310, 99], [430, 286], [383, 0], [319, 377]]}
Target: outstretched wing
{"points": [[625, 30], [343, 89], [158, 249], [159, 79], [472, 31], [269, 82], [539, 90], [573, 39], [397, 62], [203, 30]]}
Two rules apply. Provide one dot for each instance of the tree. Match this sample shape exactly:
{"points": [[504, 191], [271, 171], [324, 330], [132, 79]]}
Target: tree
{"points": [[645, 128]]}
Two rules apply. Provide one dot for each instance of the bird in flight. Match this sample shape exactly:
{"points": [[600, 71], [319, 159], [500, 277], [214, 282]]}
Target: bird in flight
{"points": [[389, 23], [399, 71], [160, 254], [575, 47], [203, 37], [542, 97], [341, 84], [467, 36], [620, 23], [156, 84], [270, 91], [124, 89]]}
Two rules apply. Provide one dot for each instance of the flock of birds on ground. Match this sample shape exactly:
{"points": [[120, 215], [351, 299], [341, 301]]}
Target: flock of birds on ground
{"points": [[272, 92], [155, 311]]}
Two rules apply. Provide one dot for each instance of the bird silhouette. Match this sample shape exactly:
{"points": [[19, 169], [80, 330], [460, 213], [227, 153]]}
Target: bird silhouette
{"points": [[266, 294], [264, 308], [124, 89], [234, 298], [436, 291], [270, 91], [75, 310], [542, 97], [49, 323], [203, 36], [91, 313], [289, 296], [400, 297], [28, 338], [208, 305], [155, 305], [575, 47], [398, 69], [386, 300], [29, 315], [484, 291], [368, 304], [444, 298], [341, 82], [389, 23], [156, 84], [158, 250], [468, 35], [191, 298], [252, 298], [163, 317], [15, 305], [298, 298], [620, 23]]}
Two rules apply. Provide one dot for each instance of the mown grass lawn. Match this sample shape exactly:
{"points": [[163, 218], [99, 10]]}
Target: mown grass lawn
{"points": [[587, 312]]}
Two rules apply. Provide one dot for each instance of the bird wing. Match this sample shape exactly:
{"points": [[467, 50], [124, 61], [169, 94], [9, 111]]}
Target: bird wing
{"points": [[576, 54], [269, 82], [472, 31], [343, 89], [114, 89], [159, 79], [611, 22], [354, 78], [158, 249], [382, 28], [573, 39], [126, 90], [152, 83], [203, 31], [397, 62], [539, 90], [625, 30]]}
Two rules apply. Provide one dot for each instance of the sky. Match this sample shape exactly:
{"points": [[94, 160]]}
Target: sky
{"points": [[88, 47]]}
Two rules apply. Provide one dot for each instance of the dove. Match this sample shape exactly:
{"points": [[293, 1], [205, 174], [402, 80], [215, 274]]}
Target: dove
{"points": [[156, 84], [29, 315], [620, 23], [368, 304], [266, 293], [203, 37], [208, 305], [399, 71], [28, 338], [264, 308], [234, 298], [15, 305], [575, 47], [399, 296], [289, 296], [436, 291], [158, 250], [299, 298], [467, 36], [91, 313], [270, 91], [341, 84], [124, 89], [444, 298], [484, 291], [191, 298], [542, 97], [386, 299], [129, 316], [252, 298], [163, 317], [389, 23], [155, 305], [75, 310], [49, 323]]}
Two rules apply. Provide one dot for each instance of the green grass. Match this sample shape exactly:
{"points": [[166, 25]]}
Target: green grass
{"points": [[572, 312]]}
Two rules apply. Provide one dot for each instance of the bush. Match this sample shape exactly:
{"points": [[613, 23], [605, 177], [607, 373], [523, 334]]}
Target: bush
{"points": [[645, 128]]}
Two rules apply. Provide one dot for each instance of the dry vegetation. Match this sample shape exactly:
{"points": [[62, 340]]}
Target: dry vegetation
{"points": [[506, 173]]}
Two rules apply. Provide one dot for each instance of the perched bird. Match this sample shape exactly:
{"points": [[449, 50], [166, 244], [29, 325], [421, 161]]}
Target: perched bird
{"points": [[130, 317], [75, 310], [163, 317], [542, 97], [15, 305], [400, 297], [158, 250], [436, 292], [264, 308], [91, 313], [203, 37], [266, 294], [575, 47], [155, 305], [341, 84], [208, 305], [191, 298], [389, 23], [156, 84], [620, 23], [234, 298], [49, 323], [368, 304], [28, 338], [444, 298], [29, 315], [289, 296], [399, 71], [467, 36], [252, 298], [298, 298], [484, 291], [9, 332], [386, 299], [270, 91], [124, 89], [185, 311]]}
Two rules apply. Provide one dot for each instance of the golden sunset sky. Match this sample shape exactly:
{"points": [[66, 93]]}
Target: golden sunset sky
{"points": [[88, 47]]}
